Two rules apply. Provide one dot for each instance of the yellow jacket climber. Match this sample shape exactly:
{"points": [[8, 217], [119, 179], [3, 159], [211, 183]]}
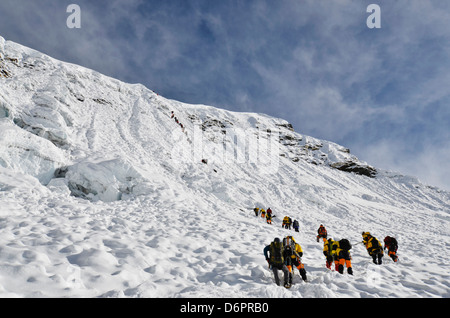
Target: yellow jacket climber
{"points": [[327, 251], [327, 246], [343, 256], [374, 247], [334, 249], [295, 257]]}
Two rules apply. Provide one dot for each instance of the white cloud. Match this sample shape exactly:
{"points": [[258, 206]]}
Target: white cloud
{"points": [[430, 164]]}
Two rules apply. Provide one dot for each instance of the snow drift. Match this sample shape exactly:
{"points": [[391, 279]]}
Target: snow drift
{"points": [[108, 189]]}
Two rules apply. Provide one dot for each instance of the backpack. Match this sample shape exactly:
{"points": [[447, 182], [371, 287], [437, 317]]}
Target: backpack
{"points": [[391, 243], [345, 245], [375, 243], [289, 243], [276, 253], [394, 244], [373, 246]]}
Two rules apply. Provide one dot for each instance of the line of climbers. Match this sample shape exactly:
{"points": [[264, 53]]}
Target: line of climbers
{"points": [[282, 255], [264, 214], [287, 222], [339, 251], [375, 249], [172, 115], [336, 251], [268, 215]]}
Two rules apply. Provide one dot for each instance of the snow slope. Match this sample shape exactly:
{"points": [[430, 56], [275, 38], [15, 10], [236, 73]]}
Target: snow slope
{"points": [[103, 194]]}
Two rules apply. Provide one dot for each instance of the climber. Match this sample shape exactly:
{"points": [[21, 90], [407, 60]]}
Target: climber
{"points": [[334, 254], [256, 210], [286, 222], [322, 233], [274, 255], [269, 213], [268, 217], [293, 253], [390, 243], [327, 251], [373, 247], [344, 257], [295, 225]]}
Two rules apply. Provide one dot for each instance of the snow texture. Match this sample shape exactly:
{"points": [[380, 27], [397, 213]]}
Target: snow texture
{"points": [[103, 193]]}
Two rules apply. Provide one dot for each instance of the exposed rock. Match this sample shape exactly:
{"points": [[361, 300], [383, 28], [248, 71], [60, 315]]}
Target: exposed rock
{"points": [[287, 126], [4, 72], [364, 170]]}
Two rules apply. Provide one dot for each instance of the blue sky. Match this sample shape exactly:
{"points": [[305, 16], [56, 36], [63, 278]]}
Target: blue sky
{"points": [[384, 93]]}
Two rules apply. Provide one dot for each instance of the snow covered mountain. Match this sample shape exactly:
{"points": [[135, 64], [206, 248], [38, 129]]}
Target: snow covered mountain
{"points": [[108, 189]]}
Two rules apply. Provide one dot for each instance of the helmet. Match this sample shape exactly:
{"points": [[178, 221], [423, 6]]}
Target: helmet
{"points": [[364, 234], [277, 240]]}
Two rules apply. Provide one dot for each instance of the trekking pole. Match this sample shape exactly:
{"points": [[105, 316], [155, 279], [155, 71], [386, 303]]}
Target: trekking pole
{"points": [[361, 242]]}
